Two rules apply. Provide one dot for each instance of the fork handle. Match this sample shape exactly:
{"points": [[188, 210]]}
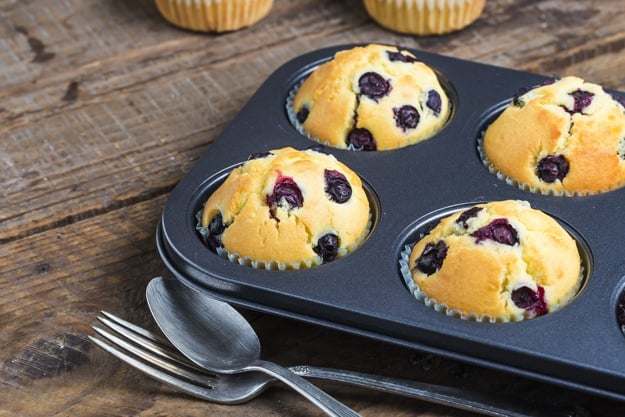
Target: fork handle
{"points": [[475, 402], [324, 401]]}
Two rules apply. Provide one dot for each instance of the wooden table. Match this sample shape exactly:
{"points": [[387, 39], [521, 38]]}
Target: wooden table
{"points": [[104, 107]]}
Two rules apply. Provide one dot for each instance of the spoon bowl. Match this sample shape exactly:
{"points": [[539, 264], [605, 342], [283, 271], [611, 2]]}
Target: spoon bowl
{"points": [[209, 332], [216, 337]]}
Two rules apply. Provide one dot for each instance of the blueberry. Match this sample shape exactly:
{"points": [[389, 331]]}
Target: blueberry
{"points": [[466, 215], [499, 230], [432, 257], [552, 168], [215, 229], [533, 302], [327, 247], [406, 117], [516, 100], [434, 102], [582, 99], [216, 225], [302, 115], [286, 193], [398, 56], [361, 140], [337, 187], [373, 85]]}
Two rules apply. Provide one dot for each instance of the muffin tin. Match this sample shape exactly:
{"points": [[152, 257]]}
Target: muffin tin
{"points": [[580, 346]]}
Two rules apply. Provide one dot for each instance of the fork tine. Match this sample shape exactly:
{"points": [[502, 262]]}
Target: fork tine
{"points": [[198, 391], [158, 360], [147, 340], [135, 329]]}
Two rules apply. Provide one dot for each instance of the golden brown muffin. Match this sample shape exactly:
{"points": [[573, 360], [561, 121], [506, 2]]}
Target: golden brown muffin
{"points": [[501, 259], [370, 98], [287, 209], [424, 17], [563, 138], [213, 15]]}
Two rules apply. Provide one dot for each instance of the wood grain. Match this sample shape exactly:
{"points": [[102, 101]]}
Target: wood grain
{"points": [[104, 107]]}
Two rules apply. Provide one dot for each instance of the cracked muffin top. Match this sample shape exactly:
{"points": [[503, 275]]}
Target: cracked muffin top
{"points": [[567, 137], [288, 209], [498, 259], [369, 98]]}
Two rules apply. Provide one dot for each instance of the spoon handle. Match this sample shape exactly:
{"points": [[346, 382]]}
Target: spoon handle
{"points": [[325, 402], [479, 403]]}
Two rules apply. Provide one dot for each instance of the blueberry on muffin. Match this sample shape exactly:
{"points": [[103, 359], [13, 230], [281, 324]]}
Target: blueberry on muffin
{"points": [[287, 209], [500, 260], [564, 138], [369, 98]]}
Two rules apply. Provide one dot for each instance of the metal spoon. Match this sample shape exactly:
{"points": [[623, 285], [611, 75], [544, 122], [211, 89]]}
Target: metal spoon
{"points": [[214, 335]]}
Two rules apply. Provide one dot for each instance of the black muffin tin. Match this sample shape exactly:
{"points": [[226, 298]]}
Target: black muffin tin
{"points": [[580, 346]]}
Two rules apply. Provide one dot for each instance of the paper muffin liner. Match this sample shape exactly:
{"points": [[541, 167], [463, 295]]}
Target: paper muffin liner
{"points": [[213, 15], [274, 265], [424, 17], [515, 183], [421, 296]]}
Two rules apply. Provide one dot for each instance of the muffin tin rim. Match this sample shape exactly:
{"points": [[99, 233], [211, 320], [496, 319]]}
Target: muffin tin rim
{"points": [[463, 127]]}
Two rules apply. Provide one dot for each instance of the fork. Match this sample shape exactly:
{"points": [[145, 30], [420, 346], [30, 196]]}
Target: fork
{"points": [[155, 356]]}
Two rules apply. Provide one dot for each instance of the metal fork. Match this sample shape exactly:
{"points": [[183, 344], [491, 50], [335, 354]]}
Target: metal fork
{"points": [[156, 357]]}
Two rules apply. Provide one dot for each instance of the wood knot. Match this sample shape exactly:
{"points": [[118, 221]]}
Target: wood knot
{"points": [[38, 47], [71, 94], [42, 268]]}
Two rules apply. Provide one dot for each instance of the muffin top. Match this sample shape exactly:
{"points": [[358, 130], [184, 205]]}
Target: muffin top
{"points": [[287, 207], [567, 137], [369, 98], [501, 259]]}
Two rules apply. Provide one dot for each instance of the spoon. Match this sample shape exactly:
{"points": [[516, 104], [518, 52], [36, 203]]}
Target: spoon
{"points": [[215, 336]]}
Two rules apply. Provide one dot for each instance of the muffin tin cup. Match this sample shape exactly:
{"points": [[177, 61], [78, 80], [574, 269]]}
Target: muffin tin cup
{"points": [[580, 346]]}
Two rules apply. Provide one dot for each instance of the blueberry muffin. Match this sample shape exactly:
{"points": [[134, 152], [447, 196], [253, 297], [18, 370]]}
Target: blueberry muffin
{"points": [[369, 98], [287, 209], [213, 16], [424, 17], [498, 261], [563, 138]]}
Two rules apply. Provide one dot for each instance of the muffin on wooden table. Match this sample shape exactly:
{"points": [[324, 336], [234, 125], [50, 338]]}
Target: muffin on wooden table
{"points": [[424, 17], [213, 15]]}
